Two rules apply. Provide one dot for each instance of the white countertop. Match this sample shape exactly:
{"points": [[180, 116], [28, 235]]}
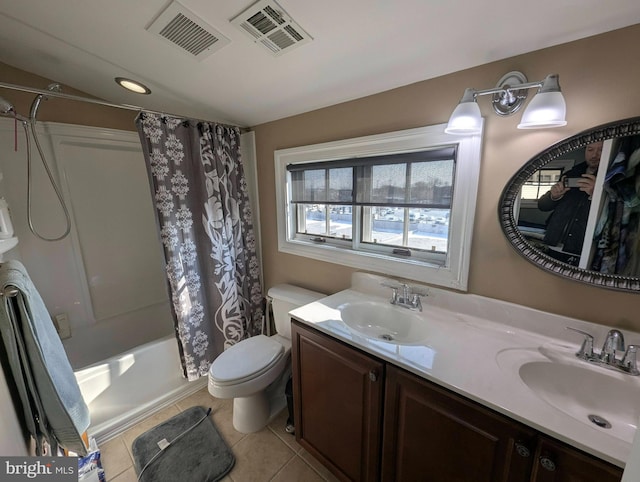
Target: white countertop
{"points": [[478, 358]]}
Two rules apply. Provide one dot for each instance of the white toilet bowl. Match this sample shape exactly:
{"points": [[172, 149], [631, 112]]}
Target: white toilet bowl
{"points": [[243, 372], [254, 372]]}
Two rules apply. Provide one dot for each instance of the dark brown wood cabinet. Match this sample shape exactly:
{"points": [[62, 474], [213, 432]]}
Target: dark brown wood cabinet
{"points": [[338, 404], [557, 462], [420, 431], [433, 435]]}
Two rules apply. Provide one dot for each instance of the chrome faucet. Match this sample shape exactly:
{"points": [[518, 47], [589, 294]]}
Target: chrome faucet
{"points": [[410, 297], [614, 342]]}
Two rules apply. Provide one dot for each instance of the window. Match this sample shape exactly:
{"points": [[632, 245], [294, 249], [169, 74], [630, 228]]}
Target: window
{"points": [[541, 181], [400, 203]]}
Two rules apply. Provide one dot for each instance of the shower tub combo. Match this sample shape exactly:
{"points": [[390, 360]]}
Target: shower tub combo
{"points": [[104, 284], [103, 278]]}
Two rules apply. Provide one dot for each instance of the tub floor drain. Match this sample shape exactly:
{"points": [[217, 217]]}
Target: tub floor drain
{"points": [[599, 421], [386, 337]]}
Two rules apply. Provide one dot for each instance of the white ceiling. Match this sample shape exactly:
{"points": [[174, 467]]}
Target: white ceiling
{"points": [[359, 47]]}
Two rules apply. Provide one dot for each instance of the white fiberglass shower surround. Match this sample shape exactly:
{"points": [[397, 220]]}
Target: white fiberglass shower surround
{"points": [[105, 283]]}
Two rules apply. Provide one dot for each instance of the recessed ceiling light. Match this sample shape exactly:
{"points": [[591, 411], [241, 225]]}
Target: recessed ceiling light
{"points": [[133, 85]]}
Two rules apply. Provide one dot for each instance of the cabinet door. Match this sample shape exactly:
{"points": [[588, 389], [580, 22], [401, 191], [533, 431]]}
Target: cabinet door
{"points": [[337, 404], [557, 462], [433, 435]]}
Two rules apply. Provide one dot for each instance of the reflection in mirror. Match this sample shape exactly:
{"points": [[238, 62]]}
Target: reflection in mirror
{"points": [[574, 209], [556, 201], [616, 247]]}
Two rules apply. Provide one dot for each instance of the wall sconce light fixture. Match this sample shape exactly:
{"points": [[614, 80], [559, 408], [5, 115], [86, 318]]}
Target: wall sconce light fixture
{"points": [[546, 109]]}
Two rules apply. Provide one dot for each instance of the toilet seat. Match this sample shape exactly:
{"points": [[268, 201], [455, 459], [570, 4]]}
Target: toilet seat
{"points": [[246, 360]]}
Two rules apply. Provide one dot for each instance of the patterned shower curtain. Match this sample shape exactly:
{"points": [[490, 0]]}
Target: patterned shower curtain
{"points": [[204, 218]]}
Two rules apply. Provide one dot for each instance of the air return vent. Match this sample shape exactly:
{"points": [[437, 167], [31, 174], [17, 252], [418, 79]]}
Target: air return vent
{"points": [[184, 29], [269, 26]]}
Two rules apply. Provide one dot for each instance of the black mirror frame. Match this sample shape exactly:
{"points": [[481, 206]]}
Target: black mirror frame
{"points": [[511, 193]]}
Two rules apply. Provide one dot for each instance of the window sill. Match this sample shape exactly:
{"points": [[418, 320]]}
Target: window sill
{"points": [[374, 262]]}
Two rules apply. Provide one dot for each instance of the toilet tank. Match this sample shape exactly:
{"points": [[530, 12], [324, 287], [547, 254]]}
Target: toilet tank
{"points": [[285, 298]]}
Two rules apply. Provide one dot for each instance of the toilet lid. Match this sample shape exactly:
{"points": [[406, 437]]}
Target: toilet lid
{"points": [[249, 357]]}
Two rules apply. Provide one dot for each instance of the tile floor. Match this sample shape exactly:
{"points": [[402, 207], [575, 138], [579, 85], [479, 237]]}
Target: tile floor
{"points": [[269, 455]]}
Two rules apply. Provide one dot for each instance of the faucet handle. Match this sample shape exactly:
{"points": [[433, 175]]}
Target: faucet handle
{"points": [[394, 287], [629, 360], [586, 350], [394, 295], [419, 291]]}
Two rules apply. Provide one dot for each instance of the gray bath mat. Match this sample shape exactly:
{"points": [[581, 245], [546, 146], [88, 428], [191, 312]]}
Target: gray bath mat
{"points": [[193, 450]]}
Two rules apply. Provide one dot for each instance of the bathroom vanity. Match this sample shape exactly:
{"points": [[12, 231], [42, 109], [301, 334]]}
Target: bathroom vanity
{"points": [[449, 404]]}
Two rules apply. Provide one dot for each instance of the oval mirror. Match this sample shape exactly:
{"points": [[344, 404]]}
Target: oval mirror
{"points": [[574, 209]]}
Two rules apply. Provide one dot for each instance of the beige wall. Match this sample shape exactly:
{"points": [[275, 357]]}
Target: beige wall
{"points": [[61, 110], [599, 77]]}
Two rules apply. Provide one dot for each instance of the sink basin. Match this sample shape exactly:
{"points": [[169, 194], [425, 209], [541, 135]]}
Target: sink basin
{"points": [[604, 399], [384, 321]]}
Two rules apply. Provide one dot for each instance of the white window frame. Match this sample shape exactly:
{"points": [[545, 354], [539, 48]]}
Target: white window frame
{"points": [[455, 273]]}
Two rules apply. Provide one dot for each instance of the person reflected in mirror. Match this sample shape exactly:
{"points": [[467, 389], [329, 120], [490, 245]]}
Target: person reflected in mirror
{"points": [[570, 201]]}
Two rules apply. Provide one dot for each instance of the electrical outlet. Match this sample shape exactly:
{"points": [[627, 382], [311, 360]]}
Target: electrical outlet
{"points": [[62, 326]]}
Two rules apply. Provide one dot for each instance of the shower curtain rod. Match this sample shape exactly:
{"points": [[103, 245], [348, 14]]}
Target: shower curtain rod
{"points": [[60, 95]]}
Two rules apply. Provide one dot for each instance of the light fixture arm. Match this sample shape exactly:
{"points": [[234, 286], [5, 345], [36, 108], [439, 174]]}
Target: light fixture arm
{"points": [[550, 84], [547, 109], [507, 89]]}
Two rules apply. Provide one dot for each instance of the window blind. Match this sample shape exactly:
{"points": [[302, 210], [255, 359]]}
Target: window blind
{"points": [[421, 179]]}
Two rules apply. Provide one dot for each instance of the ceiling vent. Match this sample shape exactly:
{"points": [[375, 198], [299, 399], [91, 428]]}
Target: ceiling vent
{"points": [[184, 29], [268, 25]]}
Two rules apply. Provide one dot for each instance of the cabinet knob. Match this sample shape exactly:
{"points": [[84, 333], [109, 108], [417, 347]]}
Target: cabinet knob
{"points": [[373, 376], [522, 450], [547, 463]]}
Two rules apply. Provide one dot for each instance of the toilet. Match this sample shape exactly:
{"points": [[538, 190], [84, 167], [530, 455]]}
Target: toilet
{"points": [[254, 372]]}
